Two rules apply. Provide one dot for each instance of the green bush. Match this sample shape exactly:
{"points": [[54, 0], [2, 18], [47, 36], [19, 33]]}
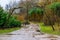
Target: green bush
{"points": [[12, 22], [3, 17]]}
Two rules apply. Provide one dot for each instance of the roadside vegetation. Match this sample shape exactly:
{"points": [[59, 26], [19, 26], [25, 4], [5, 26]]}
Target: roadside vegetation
{"points": [[49, 15], [48, 29], [47, 12], [8, 24], [8, 30]]}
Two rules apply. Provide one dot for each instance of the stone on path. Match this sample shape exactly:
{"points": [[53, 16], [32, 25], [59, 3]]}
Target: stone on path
{"points": [[28, 33]]}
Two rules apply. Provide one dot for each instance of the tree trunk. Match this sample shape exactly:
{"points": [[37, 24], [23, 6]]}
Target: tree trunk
{"points": [[52, 27]]}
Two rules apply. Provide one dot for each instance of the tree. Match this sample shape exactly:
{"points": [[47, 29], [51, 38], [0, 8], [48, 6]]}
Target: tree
{"points": [[6, 22], [36, 13], [52, 14], [55, 7], [49, 18], [27, 5]]}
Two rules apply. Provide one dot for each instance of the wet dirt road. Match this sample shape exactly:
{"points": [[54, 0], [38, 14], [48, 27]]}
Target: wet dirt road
{"points": [[28, 33]]}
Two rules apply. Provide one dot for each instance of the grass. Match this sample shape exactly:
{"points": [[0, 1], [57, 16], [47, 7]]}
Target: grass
{"points": [[3, 31], [48, 29]]}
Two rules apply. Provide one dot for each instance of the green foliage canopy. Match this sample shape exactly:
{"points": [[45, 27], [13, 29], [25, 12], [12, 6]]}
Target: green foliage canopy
{"points": [[55, 7], [36, 10]]}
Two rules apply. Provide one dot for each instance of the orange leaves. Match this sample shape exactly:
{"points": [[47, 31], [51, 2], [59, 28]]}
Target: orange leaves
{"points": [[20, 17]]}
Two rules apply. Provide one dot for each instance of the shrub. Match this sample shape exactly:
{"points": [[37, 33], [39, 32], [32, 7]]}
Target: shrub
{"points": [[12, 22]]}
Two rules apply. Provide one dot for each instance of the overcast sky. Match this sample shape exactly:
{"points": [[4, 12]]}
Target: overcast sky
{"points": [[4, 2]]}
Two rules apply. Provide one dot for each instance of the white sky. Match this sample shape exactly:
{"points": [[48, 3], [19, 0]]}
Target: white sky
{"points": [[4, 2]]}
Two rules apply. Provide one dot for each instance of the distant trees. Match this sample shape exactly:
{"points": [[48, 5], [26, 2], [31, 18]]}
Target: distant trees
{"points": [[27, 5], [36, 14]]}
